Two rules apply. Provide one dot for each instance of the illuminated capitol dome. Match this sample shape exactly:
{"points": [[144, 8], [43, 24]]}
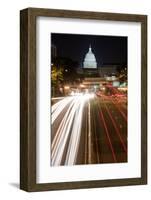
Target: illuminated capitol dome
{"points": [[90, 60]]}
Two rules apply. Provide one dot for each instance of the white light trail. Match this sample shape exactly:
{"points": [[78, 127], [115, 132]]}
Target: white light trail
{"points": [[59, 106], [68, 129], [75, 135]]}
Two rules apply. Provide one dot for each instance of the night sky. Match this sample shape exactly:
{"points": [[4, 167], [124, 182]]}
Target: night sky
{"points": [[107, 49]]}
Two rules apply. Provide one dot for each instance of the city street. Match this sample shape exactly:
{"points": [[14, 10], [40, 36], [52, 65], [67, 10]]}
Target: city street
{"points": [[89, 128]]}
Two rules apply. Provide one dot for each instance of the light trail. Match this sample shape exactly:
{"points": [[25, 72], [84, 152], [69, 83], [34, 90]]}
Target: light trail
{"points": [[69, 130], [62, 134], [57, 98], [116, 129], [122, 103], [116, 91], [117, 106], [74, 123], [108, 137], [122, 113], [73, 146], [59, 106]]}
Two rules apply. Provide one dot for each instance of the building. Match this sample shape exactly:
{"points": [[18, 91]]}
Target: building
{"points": [[91, 69], [108, 70], [94, 76], [90, 60]]}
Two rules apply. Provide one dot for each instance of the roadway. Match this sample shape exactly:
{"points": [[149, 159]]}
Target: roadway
{"points": [[89, 129]]}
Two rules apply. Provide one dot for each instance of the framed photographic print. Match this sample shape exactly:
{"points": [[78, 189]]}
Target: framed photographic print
{"points": [[83, 99]]}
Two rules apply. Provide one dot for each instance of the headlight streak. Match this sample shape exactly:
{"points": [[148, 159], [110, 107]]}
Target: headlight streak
{"points": [[75, 135], [70, 126], [58, 107], [61, 136]]}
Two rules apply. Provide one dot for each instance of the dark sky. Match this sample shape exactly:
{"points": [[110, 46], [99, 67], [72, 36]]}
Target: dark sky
{"points": [[107, 49]]}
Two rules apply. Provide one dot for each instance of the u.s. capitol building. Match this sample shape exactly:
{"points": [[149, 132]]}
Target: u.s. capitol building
{"points": [[91, 68], [90, 60]]}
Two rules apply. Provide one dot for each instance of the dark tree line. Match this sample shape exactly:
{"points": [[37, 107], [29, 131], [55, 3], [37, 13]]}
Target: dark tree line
{"points": [[63, 71]]}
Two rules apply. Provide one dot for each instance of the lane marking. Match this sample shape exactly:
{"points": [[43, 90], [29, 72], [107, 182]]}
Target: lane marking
{"points": [[96, 139], [86, 137], [89, 135]]}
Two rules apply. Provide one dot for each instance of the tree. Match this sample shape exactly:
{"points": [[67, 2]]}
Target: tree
{"points": [[56, 79], [68, 68], [56, 75]]}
